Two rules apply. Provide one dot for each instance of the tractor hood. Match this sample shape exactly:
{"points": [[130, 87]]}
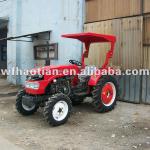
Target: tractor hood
{"points": [[50, 70]]}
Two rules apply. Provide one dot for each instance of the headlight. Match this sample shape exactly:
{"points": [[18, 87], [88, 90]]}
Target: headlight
{"points": [[32, 85]]}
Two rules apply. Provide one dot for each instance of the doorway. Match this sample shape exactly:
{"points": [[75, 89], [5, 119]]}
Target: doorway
{"points": [[3, 47]]}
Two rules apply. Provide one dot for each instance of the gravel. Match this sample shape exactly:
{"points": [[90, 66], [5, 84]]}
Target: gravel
{"points": [[126, 127]]}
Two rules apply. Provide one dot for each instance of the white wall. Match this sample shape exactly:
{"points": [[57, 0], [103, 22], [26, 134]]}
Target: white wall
{"points": [[5, 9], [30, 16], [8, 11]]}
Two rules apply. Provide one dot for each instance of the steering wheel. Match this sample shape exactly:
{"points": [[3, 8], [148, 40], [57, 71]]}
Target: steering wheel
{"points": [[75, 62]]}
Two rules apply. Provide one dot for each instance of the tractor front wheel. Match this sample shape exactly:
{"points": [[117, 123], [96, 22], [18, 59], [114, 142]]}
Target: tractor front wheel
{"points": [[105, 94], [22, 108], [57, 109]]}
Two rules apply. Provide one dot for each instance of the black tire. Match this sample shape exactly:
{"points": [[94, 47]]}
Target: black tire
{"points": [[98, 104], [20, 107], [49, 108]]}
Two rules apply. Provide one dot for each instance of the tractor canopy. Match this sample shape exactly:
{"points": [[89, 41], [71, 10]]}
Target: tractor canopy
{"points": [[91, 37]]}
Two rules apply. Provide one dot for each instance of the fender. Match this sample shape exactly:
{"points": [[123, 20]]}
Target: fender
{"points": [[95, 78]]}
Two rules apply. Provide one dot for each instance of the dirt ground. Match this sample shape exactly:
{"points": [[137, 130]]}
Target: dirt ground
{"points": [[125, 128]]}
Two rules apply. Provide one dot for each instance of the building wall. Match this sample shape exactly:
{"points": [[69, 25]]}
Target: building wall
{"points": [[5, 9], [130, 21], [128, 53], [98, 10], [31, 16]]}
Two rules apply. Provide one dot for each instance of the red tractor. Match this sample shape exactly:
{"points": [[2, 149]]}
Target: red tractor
{"points": [[57, 92]]}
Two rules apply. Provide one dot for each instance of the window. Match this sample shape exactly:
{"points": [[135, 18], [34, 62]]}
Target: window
{"points": [[44, 52], [3, 53]]}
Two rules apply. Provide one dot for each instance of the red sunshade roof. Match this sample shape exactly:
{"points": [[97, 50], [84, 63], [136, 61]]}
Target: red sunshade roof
{"points": [[91, 37]]}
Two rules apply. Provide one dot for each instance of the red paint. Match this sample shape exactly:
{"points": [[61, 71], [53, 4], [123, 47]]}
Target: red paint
{"points": [[42, 85], [107, 93], [87, 39], [49, 78]]}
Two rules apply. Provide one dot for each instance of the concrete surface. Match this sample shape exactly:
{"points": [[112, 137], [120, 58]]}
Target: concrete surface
{"points": [[6, 145], [125, 128]]}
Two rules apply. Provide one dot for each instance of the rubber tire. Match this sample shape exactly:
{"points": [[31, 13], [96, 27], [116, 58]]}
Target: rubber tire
{"points": [[19, 107], [97, 102], [49, 108]]}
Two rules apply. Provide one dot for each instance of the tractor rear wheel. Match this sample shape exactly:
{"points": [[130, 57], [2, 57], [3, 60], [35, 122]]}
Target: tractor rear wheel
{"points": [[105, 94], [57, 109]]}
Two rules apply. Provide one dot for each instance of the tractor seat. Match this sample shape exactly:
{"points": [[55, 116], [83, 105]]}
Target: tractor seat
{"points": [[86, 73]]}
